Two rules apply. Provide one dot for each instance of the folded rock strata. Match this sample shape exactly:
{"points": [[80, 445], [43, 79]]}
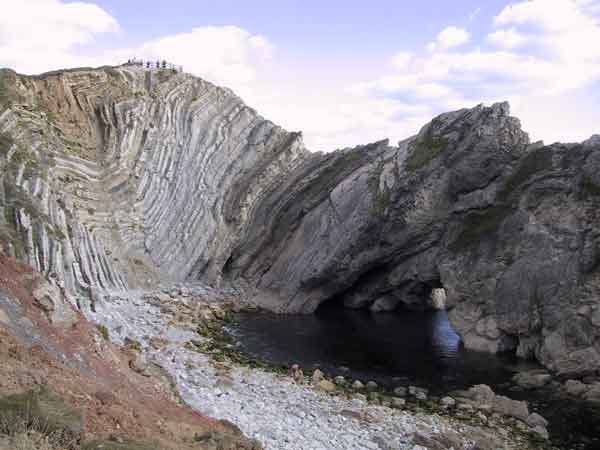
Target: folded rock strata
{"points": [[118, 178]]}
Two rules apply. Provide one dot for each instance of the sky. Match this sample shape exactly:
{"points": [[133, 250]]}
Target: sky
{"points": [[343, 72]]}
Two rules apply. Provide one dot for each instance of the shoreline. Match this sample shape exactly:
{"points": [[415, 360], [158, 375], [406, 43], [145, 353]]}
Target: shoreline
{"points": [[267, 404]]}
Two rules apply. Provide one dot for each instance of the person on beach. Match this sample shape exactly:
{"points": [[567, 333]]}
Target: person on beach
{"points": [[297, 374]]}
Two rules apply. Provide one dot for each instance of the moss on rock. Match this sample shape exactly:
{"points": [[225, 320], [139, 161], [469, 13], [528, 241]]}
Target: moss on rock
{"points": [[477, 225], [425, 150]]}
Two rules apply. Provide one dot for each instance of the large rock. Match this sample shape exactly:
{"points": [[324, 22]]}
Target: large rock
{"points": [[51, 300], [119, 178]]}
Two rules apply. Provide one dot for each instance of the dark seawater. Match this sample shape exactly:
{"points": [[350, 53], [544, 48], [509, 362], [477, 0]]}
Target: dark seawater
{"points": [[402, 348], [392, 349]]}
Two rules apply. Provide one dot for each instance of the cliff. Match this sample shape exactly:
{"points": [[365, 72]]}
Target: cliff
{"points": [[118, 178]]}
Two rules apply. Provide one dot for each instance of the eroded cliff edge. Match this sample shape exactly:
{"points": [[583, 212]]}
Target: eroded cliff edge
{"points": [[119, 178]]}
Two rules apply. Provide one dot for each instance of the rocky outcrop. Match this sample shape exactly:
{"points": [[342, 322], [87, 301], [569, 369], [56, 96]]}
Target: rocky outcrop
{"points": [[117, 178]]}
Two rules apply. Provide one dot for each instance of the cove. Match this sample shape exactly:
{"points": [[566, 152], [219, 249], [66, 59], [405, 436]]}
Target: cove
{"points": [[401, 348]]}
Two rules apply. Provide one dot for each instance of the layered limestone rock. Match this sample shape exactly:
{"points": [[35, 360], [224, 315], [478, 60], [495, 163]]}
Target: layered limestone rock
{"points": [[118, 178], [505, 227]]}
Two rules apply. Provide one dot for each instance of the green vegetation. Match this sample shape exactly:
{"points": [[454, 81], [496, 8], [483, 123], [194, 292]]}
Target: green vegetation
{"points": [[477, 225], [43, 412], [5, 97], [114, 445], [381, 197], [103, 331], [589, 187], [6, 142], [219, 346], [425, 150], [534, 162]]}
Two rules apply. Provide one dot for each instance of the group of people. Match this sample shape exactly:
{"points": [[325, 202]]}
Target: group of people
{"points": [[153, 65]]}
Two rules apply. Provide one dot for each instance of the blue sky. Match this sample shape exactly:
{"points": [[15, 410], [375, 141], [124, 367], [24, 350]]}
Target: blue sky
{"points": [[343, 72]]}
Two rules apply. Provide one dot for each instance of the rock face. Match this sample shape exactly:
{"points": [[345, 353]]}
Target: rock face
{"points": [[117, 178]]}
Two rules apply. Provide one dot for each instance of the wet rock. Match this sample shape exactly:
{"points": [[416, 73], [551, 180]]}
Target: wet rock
{"points": [[447, 402], [575, 388], [481, 394], [372, 386], [339, 380], [532, 379], [509, 407], [358, 385], [541, 431], [535, 420], [418, 392], [593, 393], [398, 402], [400, 391]]}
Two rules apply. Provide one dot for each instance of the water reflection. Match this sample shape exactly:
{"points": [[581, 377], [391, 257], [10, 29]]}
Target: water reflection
{"points": [[443, 337], [419, 347]]}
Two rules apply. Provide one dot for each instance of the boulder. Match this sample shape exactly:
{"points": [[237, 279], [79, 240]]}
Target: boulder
{"points": [[592, 393], [482, 394], [317, 376], [535, 420], [575, 388], [358, 385], [447, 402], [398, 402], [326, 385], [400, 391], [339, 380], [513, 408], [532, 379], [372, 386], [51, 300]]}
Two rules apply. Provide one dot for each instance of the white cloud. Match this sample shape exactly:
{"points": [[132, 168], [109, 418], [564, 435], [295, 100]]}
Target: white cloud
{"points": [[226, 55], [38, 35], [538, 55], [549, 15], [508, 38], [401, 60], [448, 38]]}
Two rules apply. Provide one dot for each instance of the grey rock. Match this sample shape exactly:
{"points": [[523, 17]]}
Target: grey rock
{"points": [[532, 379], [575, 388], [339, 380], [326, 385], [400, 391], [143, 179], [398, 402], [317, 376], [358, 385], [541, 431], [535, 420], [512, 408], [371, 386], [447, 402]]}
